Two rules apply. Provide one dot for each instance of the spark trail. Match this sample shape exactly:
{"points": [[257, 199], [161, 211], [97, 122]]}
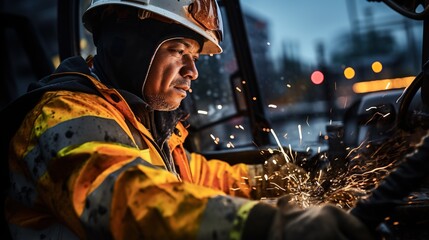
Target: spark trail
{"points": [[366, 166]]}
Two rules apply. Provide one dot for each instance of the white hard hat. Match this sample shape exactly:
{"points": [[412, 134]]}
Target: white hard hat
{"points": [[201, 16]]}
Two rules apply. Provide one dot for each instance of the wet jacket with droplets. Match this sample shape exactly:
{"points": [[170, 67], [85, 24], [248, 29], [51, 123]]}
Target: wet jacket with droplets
{"points": [[82, 165]]}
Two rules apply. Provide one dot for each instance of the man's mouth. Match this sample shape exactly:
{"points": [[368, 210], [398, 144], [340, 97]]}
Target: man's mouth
{"points": [[182, 86], [182, 89]]}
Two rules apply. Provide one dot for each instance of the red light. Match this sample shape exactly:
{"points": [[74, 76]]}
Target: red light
{"points": [[317, 77]]}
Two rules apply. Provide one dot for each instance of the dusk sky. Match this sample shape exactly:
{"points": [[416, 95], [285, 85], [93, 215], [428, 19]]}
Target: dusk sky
{"points": [[302, 23]]}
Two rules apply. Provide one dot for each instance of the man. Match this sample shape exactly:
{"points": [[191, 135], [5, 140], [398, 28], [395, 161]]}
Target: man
{"points": [[99, 153]]}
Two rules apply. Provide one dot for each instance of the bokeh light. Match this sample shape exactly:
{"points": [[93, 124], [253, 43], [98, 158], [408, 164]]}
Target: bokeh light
{"points": [[377, 66], [349, 73], [317, 77]]}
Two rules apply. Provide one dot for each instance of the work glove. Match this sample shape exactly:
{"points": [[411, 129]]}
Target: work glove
{"points": [[317, 222]]}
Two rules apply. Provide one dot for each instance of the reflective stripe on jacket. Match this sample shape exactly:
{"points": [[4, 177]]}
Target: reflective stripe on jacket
{"points": [[78, 171]]}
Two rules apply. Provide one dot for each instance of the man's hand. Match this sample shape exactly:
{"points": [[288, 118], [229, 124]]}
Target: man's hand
{"points": [[318, 222]]}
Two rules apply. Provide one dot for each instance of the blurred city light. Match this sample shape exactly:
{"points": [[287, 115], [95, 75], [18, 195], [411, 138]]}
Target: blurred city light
{"points": [[377, 66], [349, 73], [317, 77], [383, 84]]}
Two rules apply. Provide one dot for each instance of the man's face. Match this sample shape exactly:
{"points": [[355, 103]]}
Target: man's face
{"points": [[170, 75]]}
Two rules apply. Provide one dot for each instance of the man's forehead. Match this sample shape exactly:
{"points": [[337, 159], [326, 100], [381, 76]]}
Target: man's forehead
{"points": [[189, 43]]}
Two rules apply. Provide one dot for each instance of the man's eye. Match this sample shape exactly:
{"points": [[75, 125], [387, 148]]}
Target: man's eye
{"points": [[179, 51]]}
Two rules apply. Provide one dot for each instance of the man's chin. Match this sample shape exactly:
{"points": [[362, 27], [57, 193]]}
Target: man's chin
{"points": [[160, 104], [167, 110], [166, 107]]}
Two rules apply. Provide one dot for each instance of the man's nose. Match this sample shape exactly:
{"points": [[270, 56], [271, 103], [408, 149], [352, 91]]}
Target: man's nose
{"points": [[189, 69]]}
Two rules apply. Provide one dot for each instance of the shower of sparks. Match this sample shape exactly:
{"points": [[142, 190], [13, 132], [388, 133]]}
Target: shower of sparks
{"points": [[300, 132], [365, 166], [202, 112], [238, 89], [272, 106]]}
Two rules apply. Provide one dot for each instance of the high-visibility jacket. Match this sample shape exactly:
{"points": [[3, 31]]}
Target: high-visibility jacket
{"points": [[83, 166]]}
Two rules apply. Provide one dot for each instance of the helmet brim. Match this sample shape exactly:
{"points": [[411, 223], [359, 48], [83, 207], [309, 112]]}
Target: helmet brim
{"points": [[211, 44]]}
